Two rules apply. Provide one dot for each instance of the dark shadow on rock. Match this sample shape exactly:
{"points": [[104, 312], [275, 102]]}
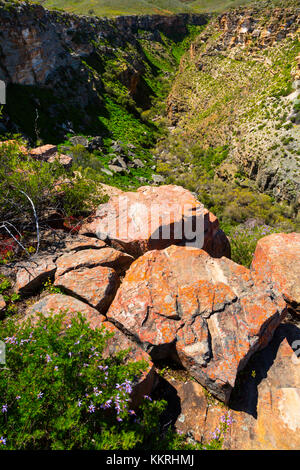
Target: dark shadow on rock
{"points": [[244, 396], [165, 391]]}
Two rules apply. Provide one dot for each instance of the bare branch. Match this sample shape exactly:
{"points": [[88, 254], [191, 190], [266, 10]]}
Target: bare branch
{"points": [[36, 220]]}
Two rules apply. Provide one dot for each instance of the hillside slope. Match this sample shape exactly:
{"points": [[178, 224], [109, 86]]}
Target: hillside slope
{"points": [[109, 79], [239, 87]]}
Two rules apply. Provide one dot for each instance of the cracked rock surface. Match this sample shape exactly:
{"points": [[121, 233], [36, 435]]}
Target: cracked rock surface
{"points": [[207, 313]]}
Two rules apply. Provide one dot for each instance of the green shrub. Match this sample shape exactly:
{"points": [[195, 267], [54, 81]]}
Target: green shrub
{"points": [[210, 158], [59, 392], [244, 240], [30, 189]]}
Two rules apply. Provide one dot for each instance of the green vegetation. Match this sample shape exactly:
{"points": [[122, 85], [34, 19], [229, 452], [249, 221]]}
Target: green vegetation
{"points": [[59, 391], [209, 159], [10, 298], [30, 189], [121, 114], [244, 240], [25, 180]]}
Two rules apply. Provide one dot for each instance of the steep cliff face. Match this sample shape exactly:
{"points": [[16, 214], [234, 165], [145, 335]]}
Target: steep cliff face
{"points": [[59, 59], [239, 86], [37, 43]]}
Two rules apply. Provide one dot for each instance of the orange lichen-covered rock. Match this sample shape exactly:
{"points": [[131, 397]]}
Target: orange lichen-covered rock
{"points": [[34, 273], [79, 243], [96, 286], [277, 258], [157, 217], [106, 256], [265, 409], [181, 303]]}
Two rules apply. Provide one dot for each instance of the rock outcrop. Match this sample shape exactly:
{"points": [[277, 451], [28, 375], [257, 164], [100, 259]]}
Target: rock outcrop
{"points": [[207, 313], [55, 51], [50, 154], [91, 258], [277, 259], [157, 217]]}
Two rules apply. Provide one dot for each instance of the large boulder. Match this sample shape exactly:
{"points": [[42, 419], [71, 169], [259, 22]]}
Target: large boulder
{"points": [[90, 258], [277, 258], [157, 217], [96, 286], [205, 312], [58, 303]]}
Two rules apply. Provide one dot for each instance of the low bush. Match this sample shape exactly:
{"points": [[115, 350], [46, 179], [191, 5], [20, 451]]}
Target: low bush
{"points": [[58, 391], [244, 240], [30, 189]]}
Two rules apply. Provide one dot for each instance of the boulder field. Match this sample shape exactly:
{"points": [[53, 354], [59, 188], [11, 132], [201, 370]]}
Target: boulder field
{"points": [[169, 300]]}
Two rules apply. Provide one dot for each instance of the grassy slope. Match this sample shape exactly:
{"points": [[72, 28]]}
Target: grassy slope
{"points": [[130, 7]]}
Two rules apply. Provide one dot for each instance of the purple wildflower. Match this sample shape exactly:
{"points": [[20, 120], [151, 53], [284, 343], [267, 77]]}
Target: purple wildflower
{"points": [[4, 408], [2, 441], [92, 408], [107, 404], [39, 395], [48, 358], [97, 392], [229, 420]]}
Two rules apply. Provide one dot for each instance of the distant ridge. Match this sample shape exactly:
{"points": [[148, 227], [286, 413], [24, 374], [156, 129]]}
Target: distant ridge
{"points": [[164, 7]]}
